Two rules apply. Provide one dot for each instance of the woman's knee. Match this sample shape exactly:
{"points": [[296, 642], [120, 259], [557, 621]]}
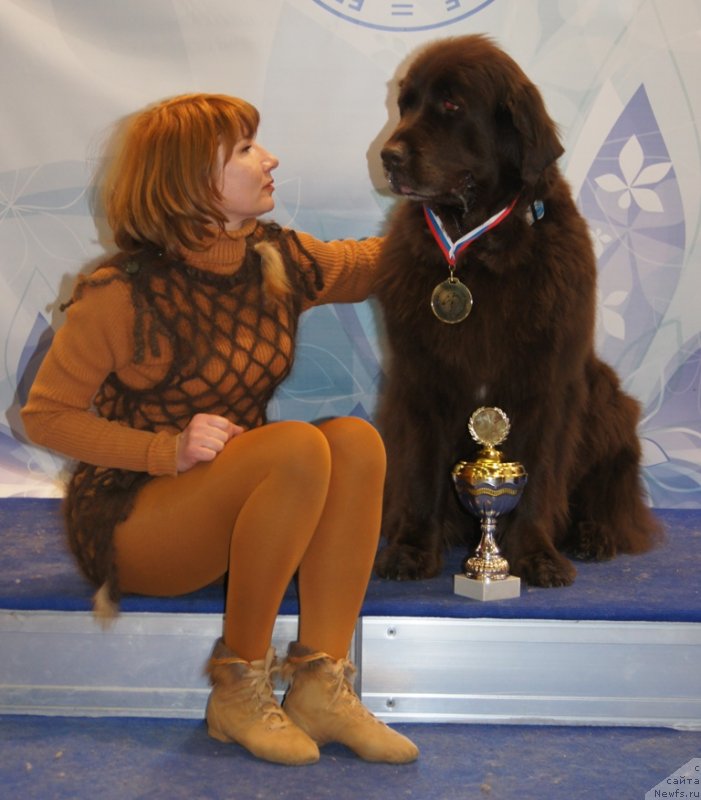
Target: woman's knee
{"points": [[303, 449], [295, 452], [355, 442]]}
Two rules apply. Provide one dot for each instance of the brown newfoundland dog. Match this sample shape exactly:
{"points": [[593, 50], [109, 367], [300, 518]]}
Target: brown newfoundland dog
{"points": [[474, 153]]}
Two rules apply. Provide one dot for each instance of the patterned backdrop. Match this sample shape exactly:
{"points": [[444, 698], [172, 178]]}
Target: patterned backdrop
{"points": [[620, 78]]}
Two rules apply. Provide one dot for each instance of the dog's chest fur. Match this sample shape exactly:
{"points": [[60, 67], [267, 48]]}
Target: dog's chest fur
{"points": [[507, 317]]}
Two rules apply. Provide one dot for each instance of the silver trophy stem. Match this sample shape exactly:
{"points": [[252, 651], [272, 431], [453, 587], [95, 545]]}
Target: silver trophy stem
{"points": [[487, 563]]}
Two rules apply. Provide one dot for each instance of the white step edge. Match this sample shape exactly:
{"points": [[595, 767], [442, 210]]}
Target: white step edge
{"points": [[533, 671], [413, 669], [144, 664]]}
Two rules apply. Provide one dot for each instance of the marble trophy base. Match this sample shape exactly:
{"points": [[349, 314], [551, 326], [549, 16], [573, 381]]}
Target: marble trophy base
{"points": [[486, 589]]}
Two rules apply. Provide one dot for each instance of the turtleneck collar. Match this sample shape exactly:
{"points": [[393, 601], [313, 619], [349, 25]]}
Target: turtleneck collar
{"points": [[224, 255]]}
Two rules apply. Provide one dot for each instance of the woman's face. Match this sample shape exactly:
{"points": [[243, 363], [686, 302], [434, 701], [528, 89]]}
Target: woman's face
{"points": [[246, 183]]}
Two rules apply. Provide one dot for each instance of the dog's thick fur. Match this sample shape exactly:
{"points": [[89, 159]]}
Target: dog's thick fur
{"points": [[473, 135]]}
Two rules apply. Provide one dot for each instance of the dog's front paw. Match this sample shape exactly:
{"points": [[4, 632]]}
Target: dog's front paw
{"points": [[403, 562], [545, 569]]}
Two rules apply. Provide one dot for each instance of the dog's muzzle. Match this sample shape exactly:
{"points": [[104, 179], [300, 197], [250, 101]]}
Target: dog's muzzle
{"points": [[395, 157]]}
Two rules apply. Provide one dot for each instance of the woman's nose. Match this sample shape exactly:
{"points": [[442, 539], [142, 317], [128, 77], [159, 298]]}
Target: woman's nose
{"points": [[271, 161]]}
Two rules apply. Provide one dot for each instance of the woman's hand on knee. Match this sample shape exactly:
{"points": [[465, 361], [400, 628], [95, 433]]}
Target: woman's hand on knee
{"points": [[203, 439]]}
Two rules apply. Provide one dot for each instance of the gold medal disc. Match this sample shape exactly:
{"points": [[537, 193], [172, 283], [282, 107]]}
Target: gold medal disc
{"points": [[451, 301]]}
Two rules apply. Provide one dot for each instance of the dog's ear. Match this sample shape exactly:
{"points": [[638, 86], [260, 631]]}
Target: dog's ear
{"points": [[539, 140]]}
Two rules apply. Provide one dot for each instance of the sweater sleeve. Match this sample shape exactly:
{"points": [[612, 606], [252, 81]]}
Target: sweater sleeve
{"points": [[95, 339], [348, 267]]}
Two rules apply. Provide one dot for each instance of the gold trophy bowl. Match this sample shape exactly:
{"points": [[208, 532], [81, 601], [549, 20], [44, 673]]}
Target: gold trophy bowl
{"points": [[488, 488]]}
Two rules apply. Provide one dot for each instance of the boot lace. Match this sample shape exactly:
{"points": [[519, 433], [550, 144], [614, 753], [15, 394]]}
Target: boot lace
{"points": [[256, 685], [342, 676], [260, 682]]}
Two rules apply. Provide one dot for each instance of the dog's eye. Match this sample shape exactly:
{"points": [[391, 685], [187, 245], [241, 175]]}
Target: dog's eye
{"points": [[449, 105], [407, 99]]}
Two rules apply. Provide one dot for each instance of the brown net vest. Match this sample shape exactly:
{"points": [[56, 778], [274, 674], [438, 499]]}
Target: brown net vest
{"points": [[227, 345]]}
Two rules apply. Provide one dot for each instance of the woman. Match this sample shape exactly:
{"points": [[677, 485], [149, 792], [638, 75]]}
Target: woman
{"points": [[158, 384]]}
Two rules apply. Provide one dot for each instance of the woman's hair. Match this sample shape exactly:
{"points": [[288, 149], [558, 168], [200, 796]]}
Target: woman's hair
{"points": [[162, 188]]}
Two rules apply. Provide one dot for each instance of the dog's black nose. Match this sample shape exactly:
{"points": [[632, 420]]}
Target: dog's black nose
{"points": [[394, 154]]}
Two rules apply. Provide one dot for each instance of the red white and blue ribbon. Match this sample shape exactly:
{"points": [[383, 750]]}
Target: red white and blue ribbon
{"points": [[451, 250]]}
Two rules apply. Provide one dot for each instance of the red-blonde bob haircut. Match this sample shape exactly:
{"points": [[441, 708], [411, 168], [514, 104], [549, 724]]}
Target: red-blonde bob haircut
{"points": [[162, 187]]}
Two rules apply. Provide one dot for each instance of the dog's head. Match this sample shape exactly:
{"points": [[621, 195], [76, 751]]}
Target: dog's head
{"points": [[473, 129]]}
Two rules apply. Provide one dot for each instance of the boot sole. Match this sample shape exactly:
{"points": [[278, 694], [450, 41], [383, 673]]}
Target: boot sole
{"points": [[298, 762], [308, 727]]}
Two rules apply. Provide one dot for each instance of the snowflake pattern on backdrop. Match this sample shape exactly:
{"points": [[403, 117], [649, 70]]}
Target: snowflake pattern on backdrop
{"points": [[632, 201]]}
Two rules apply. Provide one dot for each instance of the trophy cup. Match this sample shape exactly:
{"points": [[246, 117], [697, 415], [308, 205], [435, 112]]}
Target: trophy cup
{"points": [[488, 488]]}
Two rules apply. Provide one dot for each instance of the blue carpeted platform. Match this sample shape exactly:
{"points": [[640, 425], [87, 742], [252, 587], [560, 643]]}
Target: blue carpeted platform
{"points": [[76, 758], [37, 572]]}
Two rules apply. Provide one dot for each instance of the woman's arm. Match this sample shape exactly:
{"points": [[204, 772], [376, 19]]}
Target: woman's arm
{"points": [[95, 339], [348, 266]]}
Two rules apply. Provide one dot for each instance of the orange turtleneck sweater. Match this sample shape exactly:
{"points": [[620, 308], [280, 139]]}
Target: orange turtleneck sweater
{"points": [[97, 339]]}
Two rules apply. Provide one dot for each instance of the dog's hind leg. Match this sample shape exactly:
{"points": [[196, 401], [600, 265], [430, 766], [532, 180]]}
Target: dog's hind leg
{"points": [[608, 512]]}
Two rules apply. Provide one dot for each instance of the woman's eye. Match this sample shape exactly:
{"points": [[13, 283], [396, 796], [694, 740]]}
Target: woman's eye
{"points": [[449, 105]]}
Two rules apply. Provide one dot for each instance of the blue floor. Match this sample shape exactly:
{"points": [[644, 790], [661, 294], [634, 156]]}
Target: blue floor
{"points": [[47, 758]]}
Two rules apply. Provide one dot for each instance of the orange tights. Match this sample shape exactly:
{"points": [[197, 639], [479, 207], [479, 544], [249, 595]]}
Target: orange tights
{"points": [[284, 498]]}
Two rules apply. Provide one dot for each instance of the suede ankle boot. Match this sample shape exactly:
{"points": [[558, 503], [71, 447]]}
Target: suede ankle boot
{"points": [[242, 708], [322, 702]]}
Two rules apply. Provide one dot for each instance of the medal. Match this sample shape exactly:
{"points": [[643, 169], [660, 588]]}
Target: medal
{"points": [[451, 301]]}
